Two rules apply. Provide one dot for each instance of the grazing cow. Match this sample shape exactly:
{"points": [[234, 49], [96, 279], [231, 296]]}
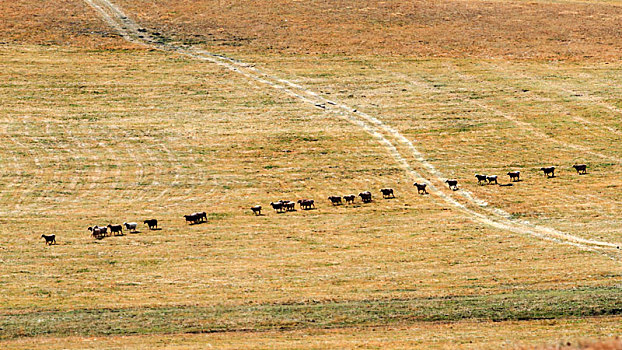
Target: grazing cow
{"points": [[365, 196], [491, 179], [349, 198], [152, 223], [306, 204], [387, 193], [421, 188], [481, 179], [453, 184], [130, 226], [278, 206], [336, 200], [549, 170], [256, 209], [49, 239], [514, 175], [580, 168], [115, 229], [192, 218]]}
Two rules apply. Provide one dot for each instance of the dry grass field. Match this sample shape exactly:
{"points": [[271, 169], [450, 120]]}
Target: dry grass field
{"points": [[98, 130], [541, 29]]}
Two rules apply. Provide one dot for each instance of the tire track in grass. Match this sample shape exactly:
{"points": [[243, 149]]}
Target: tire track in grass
{"points": [[22, 200], [510, 117], [375, 127], [577, 95], [586, 123]]}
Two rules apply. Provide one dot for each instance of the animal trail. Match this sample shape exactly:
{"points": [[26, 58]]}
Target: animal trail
{"points": [[385, 134]]}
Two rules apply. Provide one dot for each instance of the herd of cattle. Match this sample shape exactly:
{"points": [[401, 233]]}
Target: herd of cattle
{"points": [[100, 232], [282, 206]]}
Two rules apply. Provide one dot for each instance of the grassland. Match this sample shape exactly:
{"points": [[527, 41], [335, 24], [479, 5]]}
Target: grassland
{"points": [[428, 335], [568, 30], [100, 132]]}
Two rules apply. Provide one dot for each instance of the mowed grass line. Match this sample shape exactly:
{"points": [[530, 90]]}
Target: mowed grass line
{"points": [[527, 305]]}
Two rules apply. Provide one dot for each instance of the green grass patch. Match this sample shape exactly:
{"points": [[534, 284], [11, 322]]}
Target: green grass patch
{"points": [[528, 305]]}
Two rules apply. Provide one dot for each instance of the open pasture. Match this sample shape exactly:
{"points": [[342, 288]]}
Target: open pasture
{"points": [[92, 137]]}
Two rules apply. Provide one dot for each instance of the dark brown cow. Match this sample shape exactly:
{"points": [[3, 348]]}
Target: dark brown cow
{"points": [[256, 209], [289, 205], [580, 168], [481, 179], [192, 218], [421, 188], [514, 175], [365, 196], [349, 198], [306, 204], [131, 226], [549, 170], [336, 200], [97, 232], [387, 193]]}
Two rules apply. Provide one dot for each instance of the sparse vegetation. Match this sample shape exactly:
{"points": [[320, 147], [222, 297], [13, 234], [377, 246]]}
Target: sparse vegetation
{"points": [[102, 131]]}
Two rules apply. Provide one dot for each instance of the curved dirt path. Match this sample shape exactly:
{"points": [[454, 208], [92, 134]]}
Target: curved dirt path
{"points": [[401, 148]]}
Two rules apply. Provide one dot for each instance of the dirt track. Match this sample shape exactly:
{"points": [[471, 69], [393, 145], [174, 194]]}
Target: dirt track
{"points": [[401, 148]]}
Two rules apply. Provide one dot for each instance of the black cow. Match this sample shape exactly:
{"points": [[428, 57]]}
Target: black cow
{"points": [[336, 200], [114, 229], [491, 179], [580, 168], [453, 184], [481, 179], [151, 223], [387, 193], [421, 188], [256, 209], [201, 216], [192, 218], [49, 239], [278, 206]]}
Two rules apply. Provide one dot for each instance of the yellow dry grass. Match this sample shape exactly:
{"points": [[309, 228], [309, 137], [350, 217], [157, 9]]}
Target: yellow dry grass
{"points": [[576, 30], [115, 137], [92, 136]]}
